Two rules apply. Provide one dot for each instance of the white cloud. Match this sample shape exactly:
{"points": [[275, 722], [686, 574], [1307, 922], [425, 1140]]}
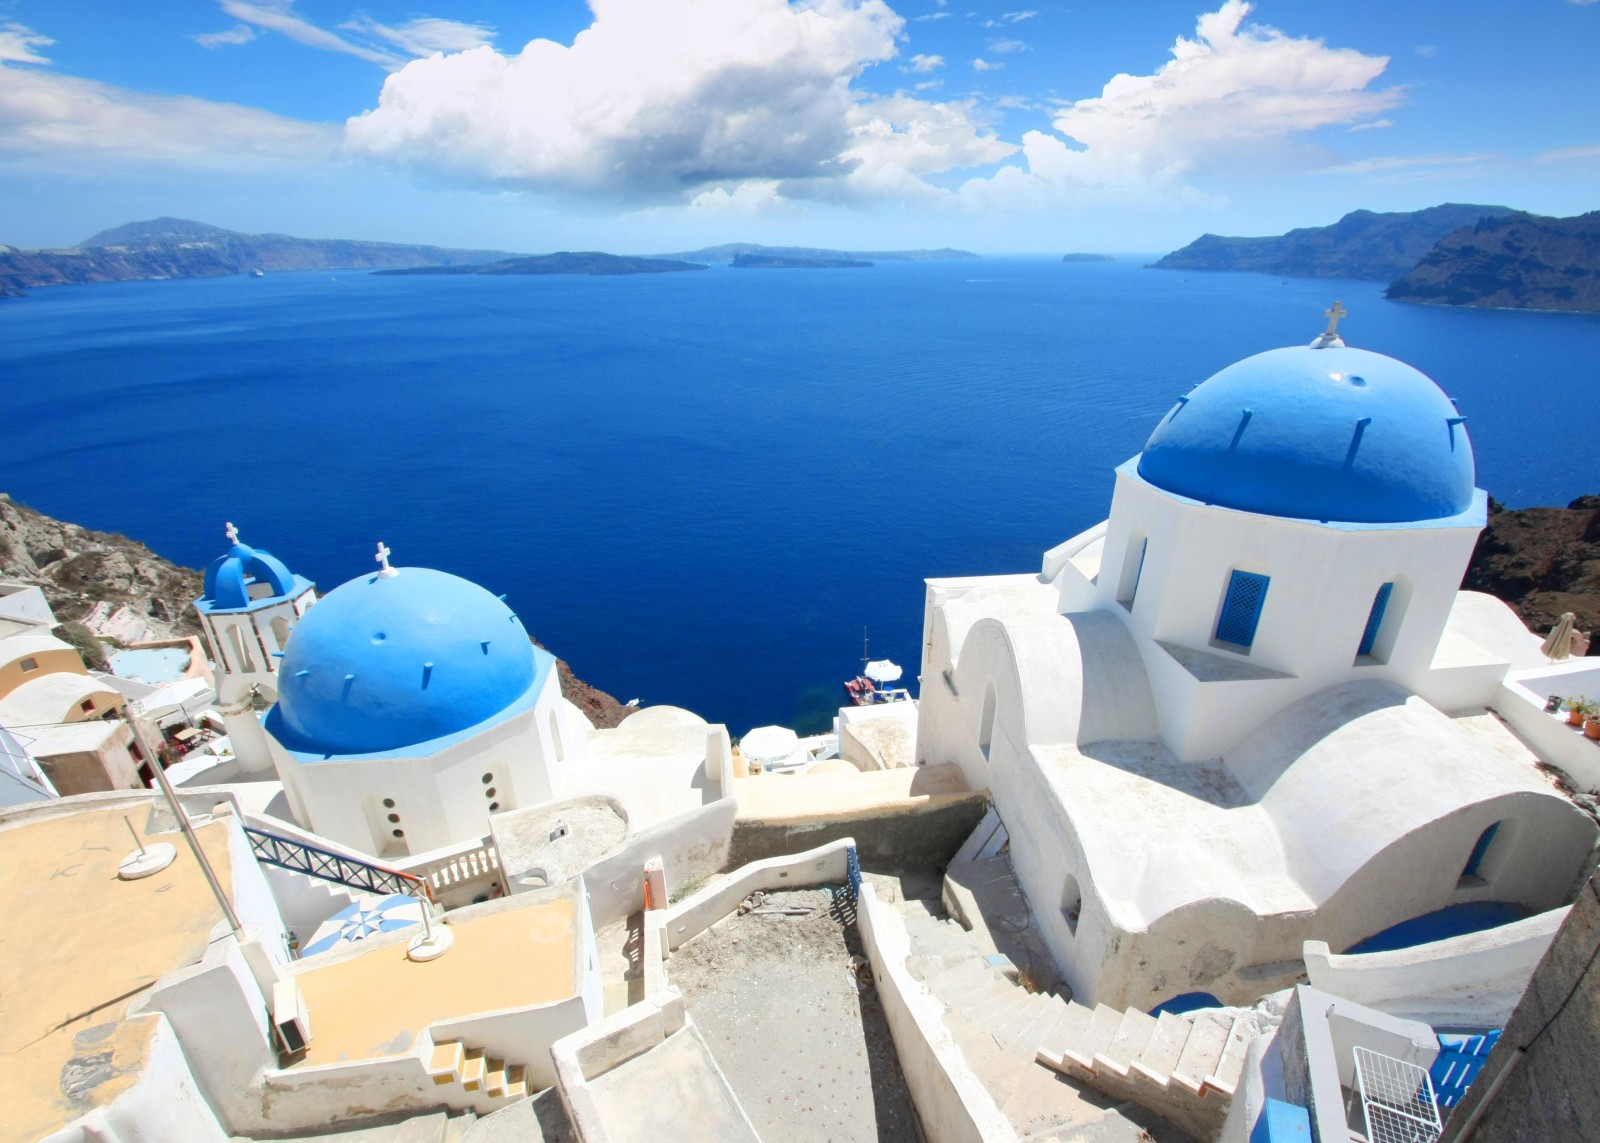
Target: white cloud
{"points": [[1236, 98], [1570, 154], [1010, 18], [981, 64], [238, 34], [1426, 51], [669, 100], [930, 16], [925, 63], [17, 44], [1006, 46], [929, 85], [65, 123], [1375, 125], [1410, 163], [279, 16], [424, 35]]}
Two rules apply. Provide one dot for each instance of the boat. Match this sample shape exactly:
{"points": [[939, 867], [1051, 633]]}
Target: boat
{"points": [[870, 686], [258, 273]]}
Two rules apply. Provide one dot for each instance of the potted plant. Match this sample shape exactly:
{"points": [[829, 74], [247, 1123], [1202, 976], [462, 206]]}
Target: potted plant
{"points": [[1579, 708], [1591, 723]]}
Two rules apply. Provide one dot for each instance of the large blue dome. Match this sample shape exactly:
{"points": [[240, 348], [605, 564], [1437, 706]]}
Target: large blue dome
{"points": [[1333, 434], [390, 661]]}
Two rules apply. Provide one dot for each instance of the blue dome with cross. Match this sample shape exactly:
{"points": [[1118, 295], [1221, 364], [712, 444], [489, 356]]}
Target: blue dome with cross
{"points": [[398, 659], [1328, 434]]}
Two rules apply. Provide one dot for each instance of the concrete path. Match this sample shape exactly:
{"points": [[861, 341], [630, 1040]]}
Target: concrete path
{"points": [[675, 1082]]}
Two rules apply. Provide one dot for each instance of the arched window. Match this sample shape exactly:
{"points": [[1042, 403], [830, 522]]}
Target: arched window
{"points": [[241, 652], [1071, 903], [986, 722], [555, 738], [1473, 871], [1132, 570], [280, 632]]}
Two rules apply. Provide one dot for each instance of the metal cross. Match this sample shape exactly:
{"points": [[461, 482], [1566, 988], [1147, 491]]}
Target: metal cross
{"points": [[232, 533], [383, 561], [1338, 311]]}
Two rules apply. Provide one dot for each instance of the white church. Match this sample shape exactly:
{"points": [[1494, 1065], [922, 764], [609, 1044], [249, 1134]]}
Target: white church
{"points": [[407, 708], [1248, 709]]}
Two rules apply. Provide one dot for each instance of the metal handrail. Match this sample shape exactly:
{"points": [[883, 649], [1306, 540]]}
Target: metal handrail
{"points": [[286, 853]]}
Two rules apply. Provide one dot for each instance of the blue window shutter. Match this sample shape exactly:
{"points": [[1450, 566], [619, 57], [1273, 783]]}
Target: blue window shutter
{"points": [[1375, 619], [1241, 611]]}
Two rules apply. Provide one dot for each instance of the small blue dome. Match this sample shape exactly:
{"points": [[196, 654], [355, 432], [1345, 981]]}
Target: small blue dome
{"points": [[389, 661], [1333, 434], [230, 577]]}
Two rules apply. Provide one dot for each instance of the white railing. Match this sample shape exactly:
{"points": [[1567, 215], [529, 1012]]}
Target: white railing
{"points": [[470, 863]]}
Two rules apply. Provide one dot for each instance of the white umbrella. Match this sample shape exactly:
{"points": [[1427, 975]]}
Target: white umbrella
{"points": [[1558, 645], [769, 743], [883, 671]]}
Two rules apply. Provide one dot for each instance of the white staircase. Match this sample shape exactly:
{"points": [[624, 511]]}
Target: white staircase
{"points": [[1108, 1075]]}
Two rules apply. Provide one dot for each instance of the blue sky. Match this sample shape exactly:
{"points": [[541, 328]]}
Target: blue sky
{"points": [[652, 125]]}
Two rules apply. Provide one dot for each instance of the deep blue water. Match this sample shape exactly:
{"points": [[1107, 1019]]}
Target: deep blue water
{"points": [[698, 488]]}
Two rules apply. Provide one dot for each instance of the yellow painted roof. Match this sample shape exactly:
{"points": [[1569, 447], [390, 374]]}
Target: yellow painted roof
{"points": [[77, 948], [376, 1003]]}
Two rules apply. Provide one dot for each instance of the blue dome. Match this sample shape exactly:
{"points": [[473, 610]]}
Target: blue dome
{"points": [[1333, 434], [385, 662], [230, 578]]}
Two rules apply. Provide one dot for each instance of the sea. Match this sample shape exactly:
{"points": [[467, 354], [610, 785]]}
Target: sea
{"points": [[705, 489]]}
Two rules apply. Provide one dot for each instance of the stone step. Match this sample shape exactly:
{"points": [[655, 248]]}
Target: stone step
{"points": [[1132, 1036], [446, 1061], [1027, 1042], [1161, 1054], [1035, 1006], [946, 981], [1039, 1100], [474, 1069], [996, 1009], [1067, 1030], [1225, 1076], [1201, 1053], [988, 990], [975, 1042], [1096, 1037]]}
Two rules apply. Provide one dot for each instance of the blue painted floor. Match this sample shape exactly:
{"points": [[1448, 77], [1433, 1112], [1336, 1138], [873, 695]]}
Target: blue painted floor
{"points": [[1455, 921]]}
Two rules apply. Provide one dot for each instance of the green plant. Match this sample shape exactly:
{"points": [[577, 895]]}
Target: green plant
{"points": [[1583, 704]]}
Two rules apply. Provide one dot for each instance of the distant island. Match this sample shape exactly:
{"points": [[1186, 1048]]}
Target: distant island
{"points": [[1362, 244], [725, 254], [1087, 258], [589, 262], [1519, 261], [179, 248], [781, 262]]}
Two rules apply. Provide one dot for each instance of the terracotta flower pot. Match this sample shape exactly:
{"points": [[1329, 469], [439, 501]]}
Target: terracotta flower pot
{"points": [[1591, 729], [1574, 718]]}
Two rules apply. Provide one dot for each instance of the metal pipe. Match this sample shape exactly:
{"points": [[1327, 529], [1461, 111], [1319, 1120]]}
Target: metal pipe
{"points": [[188, 830]]}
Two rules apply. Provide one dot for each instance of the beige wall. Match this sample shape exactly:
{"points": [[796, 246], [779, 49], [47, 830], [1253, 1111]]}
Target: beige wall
{"points": [[13, 676]]}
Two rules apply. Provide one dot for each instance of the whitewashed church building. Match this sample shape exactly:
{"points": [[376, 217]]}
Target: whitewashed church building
{"points": [[406, 706], [1248, 709]]}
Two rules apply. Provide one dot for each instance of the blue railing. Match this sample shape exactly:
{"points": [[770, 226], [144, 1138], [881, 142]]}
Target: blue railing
{"points": [[853, 869], [286, 853]]}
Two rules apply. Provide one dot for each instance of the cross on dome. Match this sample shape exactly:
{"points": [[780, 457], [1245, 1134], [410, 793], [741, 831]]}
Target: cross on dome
{"points": [[1329, 338], [231, 532], [384, 570]]}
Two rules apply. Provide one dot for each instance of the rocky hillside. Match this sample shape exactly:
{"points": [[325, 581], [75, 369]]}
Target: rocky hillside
{"points": [[1521, 261], [1543, 561], [178, 248], [1362, 244], [78, 568]]}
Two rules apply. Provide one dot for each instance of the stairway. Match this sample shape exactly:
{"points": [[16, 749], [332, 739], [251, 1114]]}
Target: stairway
{"points": [[1108, 1075], [472, 1070]]}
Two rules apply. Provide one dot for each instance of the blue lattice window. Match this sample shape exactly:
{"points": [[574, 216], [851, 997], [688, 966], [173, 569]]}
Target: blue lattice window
{"points": [[1380, 604], [1241, 610]]}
